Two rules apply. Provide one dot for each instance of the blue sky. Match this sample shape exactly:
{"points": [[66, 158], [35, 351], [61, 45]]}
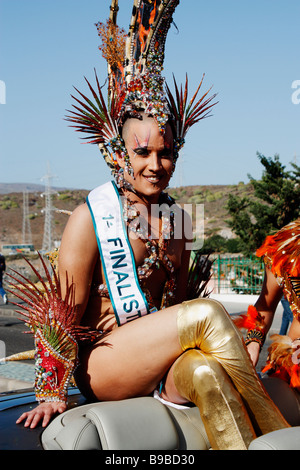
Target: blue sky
{"points": [[249, 51]]}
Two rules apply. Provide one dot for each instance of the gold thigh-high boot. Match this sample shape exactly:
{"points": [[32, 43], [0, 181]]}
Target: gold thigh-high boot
{"points": [[202, 380], [204, 324]]}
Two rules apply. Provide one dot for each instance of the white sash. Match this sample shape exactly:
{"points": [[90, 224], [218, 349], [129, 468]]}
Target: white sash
{"points": [[116, 254]]}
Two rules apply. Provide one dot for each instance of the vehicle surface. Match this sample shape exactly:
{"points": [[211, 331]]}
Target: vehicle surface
{"points": [[142, 423], [15, 436]]}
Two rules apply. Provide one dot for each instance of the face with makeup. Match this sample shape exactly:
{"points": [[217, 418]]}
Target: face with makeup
{"points": [[151, 156]]}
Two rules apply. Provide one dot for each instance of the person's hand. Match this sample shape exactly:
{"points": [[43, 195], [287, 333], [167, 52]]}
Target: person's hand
{"points": [[43, 412], [254, 350]]}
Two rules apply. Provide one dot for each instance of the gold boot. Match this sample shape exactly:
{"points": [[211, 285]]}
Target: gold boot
{"points": [[202, 380], [205, 325]]}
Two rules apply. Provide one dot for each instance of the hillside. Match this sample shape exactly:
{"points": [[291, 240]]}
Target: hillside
{"points": [[213, 197], [11, 215]]}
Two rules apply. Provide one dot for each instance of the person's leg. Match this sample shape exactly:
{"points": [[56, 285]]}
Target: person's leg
{"points": [[284, 325], [202, 380], [287, 317], [132, 359], [3, 294], [204, 324]]}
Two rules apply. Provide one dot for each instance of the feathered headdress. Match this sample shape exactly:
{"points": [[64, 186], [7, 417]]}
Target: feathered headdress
{"points": [[135, 83]]}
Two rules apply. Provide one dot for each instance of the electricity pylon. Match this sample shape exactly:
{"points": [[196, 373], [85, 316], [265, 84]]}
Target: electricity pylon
{"points": [[26, 232], [47, 239]]}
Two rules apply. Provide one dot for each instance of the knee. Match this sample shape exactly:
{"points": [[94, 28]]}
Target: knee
{"points": [[196, 372], [198, 319], [209, 376], [204, 308]]}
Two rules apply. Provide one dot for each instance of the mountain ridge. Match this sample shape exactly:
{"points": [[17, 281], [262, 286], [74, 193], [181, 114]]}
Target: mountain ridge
{"points": [[7, 188]]}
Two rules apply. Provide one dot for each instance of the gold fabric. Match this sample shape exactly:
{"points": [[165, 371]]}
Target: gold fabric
{"points": [[204, 324], [202, 380]]}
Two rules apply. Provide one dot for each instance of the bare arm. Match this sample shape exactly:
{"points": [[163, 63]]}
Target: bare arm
{"points": [[77, 257], [266, 305], [269, 298]]}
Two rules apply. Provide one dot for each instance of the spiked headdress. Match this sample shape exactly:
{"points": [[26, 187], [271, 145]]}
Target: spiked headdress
{"points": [[135, 83]]}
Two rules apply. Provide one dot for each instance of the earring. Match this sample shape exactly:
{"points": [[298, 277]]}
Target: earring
{"points": [[128, 167]]}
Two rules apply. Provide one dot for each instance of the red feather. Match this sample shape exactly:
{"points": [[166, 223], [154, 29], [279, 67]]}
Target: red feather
{"points": [[252, 320]]}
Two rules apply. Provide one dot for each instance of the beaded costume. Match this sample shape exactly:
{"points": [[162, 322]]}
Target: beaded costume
{"points": [[213, 370], [52, 320], [135, 85], [281, 255]]}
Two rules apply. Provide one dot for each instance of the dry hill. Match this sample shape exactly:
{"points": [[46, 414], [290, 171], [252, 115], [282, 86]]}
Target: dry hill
{"points": [[214, 199]]}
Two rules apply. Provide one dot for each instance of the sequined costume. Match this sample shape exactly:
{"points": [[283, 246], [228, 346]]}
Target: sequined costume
{"points": [[52, 320], [135, 85], [214, 361], [281, 255]]}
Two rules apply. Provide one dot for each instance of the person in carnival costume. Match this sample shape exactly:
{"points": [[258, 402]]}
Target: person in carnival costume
{"points": [[125, 320], [280, 253]]}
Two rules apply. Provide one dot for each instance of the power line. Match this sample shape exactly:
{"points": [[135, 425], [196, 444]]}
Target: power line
{"points": [[295, 159]]}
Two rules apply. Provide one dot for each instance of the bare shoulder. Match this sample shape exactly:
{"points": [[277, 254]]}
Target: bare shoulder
{"points": [[81, 214], [78, 254], [79, 233], [80, 221]]}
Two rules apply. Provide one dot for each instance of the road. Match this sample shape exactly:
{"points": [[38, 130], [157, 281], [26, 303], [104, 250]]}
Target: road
{"points": [[14, 375], [12, 332]]}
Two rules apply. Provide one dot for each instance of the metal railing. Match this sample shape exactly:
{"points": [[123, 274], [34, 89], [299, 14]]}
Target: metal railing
{"points": [[238, 275]]}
